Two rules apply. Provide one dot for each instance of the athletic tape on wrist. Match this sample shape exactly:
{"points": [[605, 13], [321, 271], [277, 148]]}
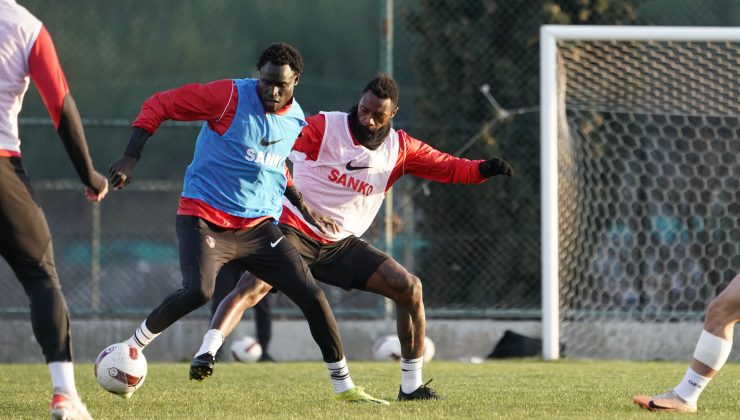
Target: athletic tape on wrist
{"points": [[711, 350]]}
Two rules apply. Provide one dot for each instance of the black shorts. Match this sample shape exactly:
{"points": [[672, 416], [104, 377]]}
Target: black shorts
{"points": [[347, 263], [262, 250]]}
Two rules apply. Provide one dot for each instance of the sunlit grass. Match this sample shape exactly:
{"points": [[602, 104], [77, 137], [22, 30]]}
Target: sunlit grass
{"points": [[501, 389]]}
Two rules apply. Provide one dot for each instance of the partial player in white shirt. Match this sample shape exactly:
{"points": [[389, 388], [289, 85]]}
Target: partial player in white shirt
{"points": [[343, 163], [711, 352], [27, 53]]}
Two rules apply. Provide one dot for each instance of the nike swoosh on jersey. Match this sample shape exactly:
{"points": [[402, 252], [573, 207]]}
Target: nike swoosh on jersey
{"points": [[355, 168], [265, 142], [274, 244]]}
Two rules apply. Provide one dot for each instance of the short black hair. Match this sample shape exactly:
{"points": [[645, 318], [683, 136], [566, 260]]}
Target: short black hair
{"points": [[281, 54], [384, 87]]}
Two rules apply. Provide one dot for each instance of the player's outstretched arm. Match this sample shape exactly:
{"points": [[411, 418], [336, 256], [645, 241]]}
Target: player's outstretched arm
{"points": [[422, 160], [72, 133], [121, 171], [48, 76], [495, 166]]}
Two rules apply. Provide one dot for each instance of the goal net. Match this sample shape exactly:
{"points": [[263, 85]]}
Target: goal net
{"points": [[640, 186]]}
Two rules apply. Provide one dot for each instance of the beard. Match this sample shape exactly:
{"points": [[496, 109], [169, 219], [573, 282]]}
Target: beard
{"points": [[372, 139]]}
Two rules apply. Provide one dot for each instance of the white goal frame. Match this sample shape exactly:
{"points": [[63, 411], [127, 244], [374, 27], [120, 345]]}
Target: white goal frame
{"points": [[549, 36]]}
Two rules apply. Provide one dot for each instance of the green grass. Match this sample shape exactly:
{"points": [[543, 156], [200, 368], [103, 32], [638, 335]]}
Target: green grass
{"points": [[506, 389]]}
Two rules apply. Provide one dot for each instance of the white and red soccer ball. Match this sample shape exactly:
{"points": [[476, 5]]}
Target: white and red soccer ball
{"points": [[388, 347], [120, 369], [246, 349]]}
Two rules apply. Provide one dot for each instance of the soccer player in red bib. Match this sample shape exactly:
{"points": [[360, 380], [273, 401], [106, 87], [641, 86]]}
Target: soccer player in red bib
{"points": [[27, 53], [231, 198], [343, 163]]}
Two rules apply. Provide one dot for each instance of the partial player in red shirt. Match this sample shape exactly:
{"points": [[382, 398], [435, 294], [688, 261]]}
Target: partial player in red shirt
{"points": [[343, 163]]}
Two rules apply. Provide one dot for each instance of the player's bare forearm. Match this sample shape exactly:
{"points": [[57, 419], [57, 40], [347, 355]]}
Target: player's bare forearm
{"points": [[323, 223], [317, 219]]}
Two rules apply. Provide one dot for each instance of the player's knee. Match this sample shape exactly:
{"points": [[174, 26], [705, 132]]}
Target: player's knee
{"points": [[411, 291], [42, 288], [264, 288], [248, 293], [721, 311], [306, 296], [416, 290], [198, 297], [243, 292], [314, 300], [39, 277], [316, 295]]}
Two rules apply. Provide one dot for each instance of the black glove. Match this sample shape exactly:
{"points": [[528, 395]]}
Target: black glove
{"points": [[120, 172], [495, 166]]}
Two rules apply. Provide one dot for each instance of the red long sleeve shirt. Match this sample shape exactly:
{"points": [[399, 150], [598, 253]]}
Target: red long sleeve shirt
{"points": [[46, 73], [216, 103]]}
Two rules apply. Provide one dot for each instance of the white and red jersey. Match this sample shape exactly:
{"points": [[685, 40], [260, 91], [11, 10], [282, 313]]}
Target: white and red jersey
{"points": [[341, 179], [347, 181], [26, 52]]}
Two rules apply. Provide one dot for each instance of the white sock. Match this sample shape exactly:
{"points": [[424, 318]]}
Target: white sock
{"points": [[691, 386], [339, 373], [142, 337], [411, 374], [63, 378], [212, 341]]}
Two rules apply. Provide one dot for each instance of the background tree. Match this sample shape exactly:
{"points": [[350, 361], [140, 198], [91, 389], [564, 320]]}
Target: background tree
{"points": [[460, 46]]}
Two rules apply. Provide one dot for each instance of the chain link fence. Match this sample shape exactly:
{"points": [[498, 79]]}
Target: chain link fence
{"points": [[469, 78]]}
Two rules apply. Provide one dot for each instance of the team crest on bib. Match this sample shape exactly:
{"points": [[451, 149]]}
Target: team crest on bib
{"points": [[210, 241]]}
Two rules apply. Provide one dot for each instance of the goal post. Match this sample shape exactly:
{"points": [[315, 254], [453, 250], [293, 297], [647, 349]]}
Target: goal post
{"points": [[640, 164]]}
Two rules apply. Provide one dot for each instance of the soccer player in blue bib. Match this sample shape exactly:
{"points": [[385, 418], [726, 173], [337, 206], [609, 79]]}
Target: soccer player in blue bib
{"points": [[232, 198]]}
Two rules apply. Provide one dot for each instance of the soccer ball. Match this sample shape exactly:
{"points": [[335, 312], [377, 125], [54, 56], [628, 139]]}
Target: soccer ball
{"points": [[246, 349], [389, 347], [121, 369], [429, 349]]}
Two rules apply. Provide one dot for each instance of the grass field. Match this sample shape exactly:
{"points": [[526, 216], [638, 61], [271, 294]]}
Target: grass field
{"points": [[508, 389]]}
